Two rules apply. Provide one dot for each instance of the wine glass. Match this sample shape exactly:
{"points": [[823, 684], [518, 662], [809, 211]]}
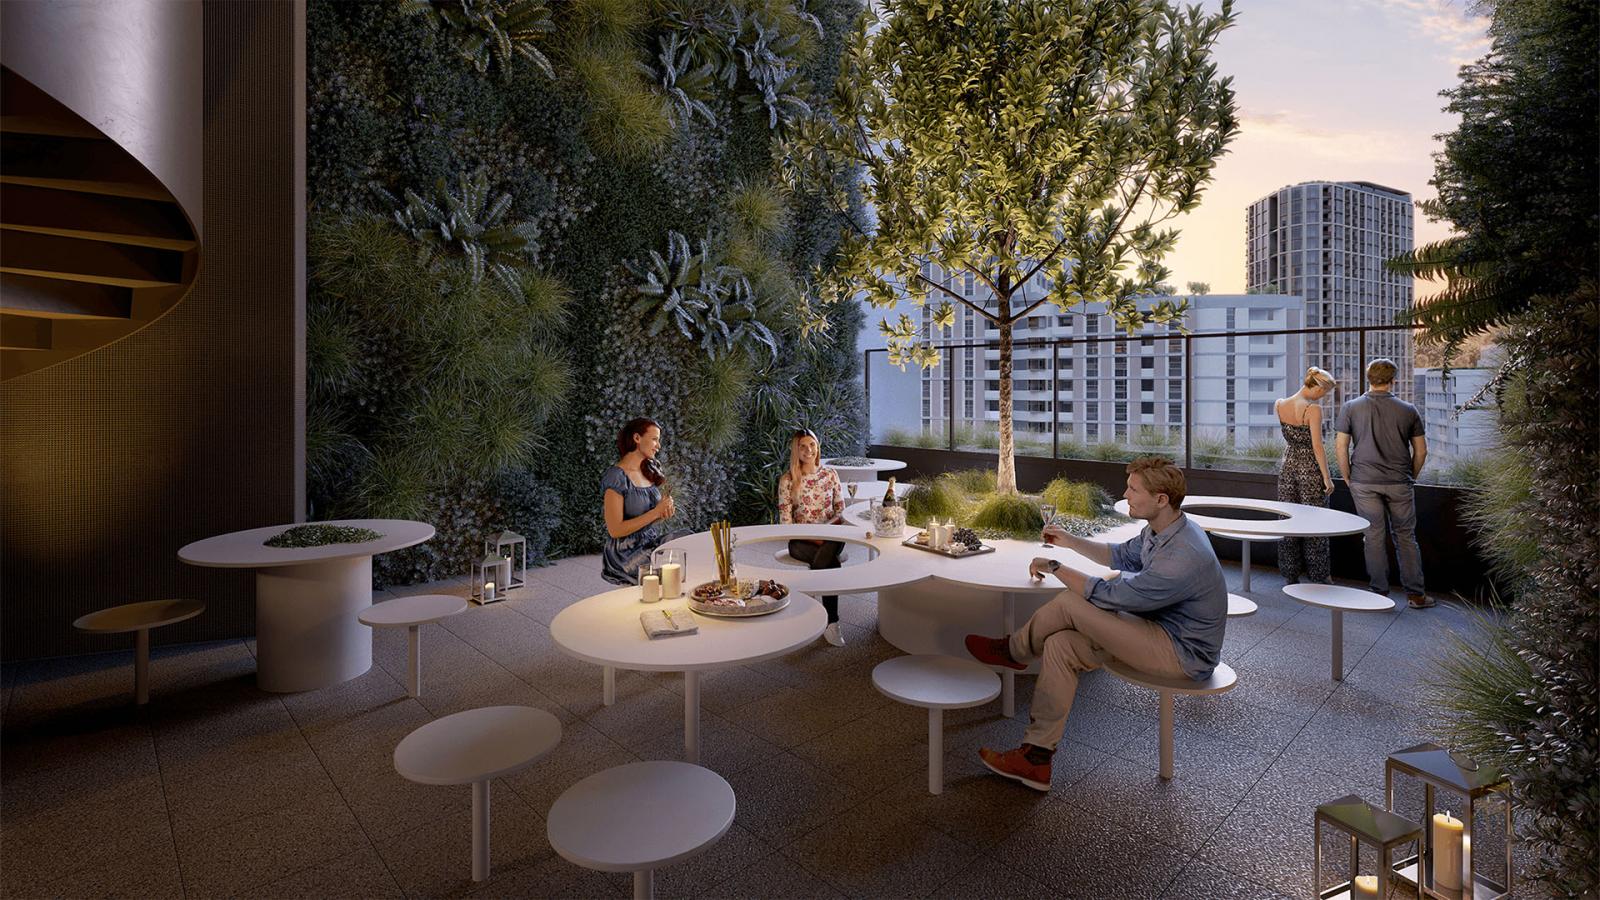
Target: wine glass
{"points": [[851, 489], [1048, 511]]}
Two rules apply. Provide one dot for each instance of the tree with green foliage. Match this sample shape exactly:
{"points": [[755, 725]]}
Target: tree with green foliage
{"points": [[1037, 146], [1518, 182]]}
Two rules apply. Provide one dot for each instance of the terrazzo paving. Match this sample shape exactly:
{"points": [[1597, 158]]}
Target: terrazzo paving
{"points": [[218, 789]]}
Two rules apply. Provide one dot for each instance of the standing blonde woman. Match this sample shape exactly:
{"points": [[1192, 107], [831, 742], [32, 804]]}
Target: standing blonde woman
{"points": [[809, 494], [1304, 477]]}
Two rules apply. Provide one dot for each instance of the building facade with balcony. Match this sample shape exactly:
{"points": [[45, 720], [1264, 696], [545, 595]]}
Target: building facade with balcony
{"points": [[1456, 433], [1124, 391], [1327, 242]]}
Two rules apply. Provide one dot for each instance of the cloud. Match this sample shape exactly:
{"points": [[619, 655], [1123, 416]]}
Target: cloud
{"points": [[1448, 25], [1305, 134]]}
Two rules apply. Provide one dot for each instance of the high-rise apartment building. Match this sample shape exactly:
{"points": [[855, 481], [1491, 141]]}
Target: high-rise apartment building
{"points": [[1455, 431], [1327, 242]]}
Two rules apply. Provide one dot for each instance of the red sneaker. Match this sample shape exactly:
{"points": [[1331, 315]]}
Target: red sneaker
{"points": [[1013, 764], [992, 651]]}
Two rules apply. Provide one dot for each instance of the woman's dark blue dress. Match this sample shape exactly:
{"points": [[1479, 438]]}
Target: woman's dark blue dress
{"points": [[622, 557]]}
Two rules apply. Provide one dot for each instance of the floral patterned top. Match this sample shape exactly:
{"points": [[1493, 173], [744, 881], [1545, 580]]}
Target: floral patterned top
{"points": [[818, 501]]}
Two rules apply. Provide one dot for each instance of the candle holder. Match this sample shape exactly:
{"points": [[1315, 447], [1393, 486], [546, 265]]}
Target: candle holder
{"points": [[1363, 822], [662, 563], [513, 548], [1439, 769], [486, 578]]}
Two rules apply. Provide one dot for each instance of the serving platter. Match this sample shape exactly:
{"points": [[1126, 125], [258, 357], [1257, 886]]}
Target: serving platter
{"points": [[963, 553], [748, 599]]}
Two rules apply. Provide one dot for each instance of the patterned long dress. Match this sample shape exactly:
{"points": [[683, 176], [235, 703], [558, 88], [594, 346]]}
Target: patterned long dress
{"points": [[1300, 481]]}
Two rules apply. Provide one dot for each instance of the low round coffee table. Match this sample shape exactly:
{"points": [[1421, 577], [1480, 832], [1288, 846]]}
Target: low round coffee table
{"points": [[1338, 600], [412, 613]]}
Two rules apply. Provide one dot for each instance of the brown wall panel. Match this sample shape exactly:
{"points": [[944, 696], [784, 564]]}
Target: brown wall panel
{"points": [[191, 427]]}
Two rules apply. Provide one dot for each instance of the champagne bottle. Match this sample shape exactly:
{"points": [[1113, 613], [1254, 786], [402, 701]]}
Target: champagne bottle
{"points": [[888, 497]]}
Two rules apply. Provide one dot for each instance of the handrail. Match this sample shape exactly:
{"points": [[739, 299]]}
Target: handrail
{"points": [[1057, 343]]}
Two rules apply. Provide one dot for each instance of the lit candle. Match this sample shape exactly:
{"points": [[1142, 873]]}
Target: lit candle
{"points": [[652, 588], [1447, 835], [1364, 886], [672, 581], [488, 591]]}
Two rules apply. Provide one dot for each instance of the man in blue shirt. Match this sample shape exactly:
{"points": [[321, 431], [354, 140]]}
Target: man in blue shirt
{"points": [[1164, 613], [1381, 447]]}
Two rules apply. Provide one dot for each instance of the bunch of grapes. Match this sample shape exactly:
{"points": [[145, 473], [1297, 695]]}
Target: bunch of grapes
{"points": [[966, 536]]}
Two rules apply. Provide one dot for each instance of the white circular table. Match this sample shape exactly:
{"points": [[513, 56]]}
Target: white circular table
{"points": [[1298, 519], [639, 817], [604, 629], [139, 618], [1223, 678], [473, 747], [1245, 540], [1338, 600], [867, 472], [936, 683], [1240, 606], [413, 613], [307, 598]]}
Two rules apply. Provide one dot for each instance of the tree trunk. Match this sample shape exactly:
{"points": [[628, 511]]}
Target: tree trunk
{"points": [[1006, 477]]}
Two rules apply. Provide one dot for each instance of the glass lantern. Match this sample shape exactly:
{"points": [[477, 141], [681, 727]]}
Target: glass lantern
{"points": [[513, 548], [1362, 823], [1446, 862], [489, 576]]}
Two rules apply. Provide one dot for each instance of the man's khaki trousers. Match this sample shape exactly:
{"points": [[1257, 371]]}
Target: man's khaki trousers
{"points": [[1071, 635]]}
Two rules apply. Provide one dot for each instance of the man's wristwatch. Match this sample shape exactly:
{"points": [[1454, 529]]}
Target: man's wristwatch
{"points": [[1055, 564]]}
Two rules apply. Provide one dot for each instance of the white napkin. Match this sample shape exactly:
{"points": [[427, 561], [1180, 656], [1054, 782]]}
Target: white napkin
{"points": [[667, 622]]}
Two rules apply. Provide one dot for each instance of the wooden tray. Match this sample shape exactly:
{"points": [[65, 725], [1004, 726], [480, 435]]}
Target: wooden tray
{"points": [[947, 554]]}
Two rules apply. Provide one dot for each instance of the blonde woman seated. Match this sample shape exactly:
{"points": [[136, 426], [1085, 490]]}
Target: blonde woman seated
{"points": [[809, 494], [1304, 476]]}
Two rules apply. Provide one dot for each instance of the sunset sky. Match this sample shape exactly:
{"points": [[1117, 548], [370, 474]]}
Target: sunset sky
{"points": [[1341, 91]]}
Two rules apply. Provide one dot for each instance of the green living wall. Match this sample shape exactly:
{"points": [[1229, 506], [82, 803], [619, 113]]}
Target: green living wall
{"points": [[530, 223]]}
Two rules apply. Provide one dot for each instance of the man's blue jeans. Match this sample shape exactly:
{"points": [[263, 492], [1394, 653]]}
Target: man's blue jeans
{"points": [[1390, 509]]}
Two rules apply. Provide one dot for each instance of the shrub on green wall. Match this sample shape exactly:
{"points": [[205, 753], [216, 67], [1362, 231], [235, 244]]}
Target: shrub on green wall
{"points": [[597, 166]]}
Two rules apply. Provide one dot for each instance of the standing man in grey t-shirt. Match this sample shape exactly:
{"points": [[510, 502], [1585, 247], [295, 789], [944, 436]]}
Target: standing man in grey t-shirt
{"points": [[1381, 449]]}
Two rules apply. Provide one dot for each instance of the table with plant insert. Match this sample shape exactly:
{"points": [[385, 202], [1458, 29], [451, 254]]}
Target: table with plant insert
{"points": [[308, 597]]}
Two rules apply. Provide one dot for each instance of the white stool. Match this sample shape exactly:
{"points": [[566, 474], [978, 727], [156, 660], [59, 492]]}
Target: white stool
{"points": [[1339, 600], [937, 683], [139, 618], [1240, 606], [473, 747], [1222, 680], [639, 817], [412, 612], [1245, 540]]}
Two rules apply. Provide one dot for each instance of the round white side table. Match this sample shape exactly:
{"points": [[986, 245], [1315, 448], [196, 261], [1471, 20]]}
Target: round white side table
{"points": [[936, 683], [639, 817], [1338, 600], [1240, 606], [472, 747], [1222, 680], [413, 613], [139, 618]]}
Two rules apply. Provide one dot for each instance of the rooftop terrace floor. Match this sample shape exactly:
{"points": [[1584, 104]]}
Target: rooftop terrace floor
{"points": [[217, 788]]}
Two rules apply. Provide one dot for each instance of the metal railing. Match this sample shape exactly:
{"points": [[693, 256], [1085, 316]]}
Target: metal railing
{"points": [[1057, 343]]}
